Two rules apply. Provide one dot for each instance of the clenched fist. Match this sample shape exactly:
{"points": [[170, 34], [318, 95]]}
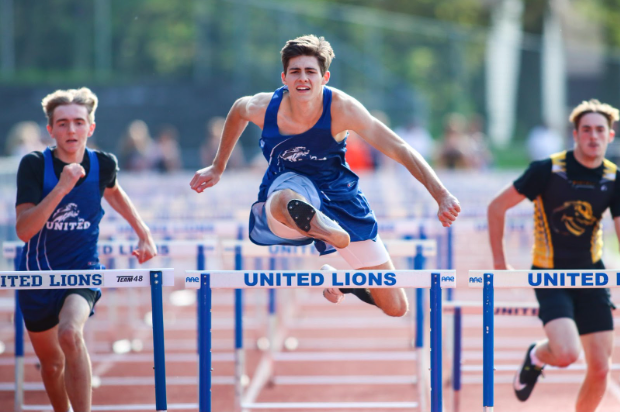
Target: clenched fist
{"points": [[70, 175]]}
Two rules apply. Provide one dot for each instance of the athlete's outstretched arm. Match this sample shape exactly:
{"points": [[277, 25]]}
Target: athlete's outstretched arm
{"points": [[496, 216], [118, 199], [244, 110], [349, 114], [31, 218]]}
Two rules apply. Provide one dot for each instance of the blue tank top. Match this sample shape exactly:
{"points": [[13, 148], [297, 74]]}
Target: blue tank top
{"points": [[316, 155], [69, 238]]}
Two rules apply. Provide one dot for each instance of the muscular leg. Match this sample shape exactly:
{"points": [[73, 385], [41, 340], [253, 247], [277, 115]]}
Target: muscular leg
{"points": [[562, 347], [392, 301], [598, 348], [47, 348], [320, 226], [73, 316]]}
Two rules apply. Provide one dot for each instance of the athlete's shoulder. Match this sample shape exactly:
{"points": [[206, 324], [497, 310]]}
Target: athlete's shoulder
{"points": [[342, 98], [610, 170], [558, 162], [33, 159], [344, 104], [257, 102], [106, 159]]}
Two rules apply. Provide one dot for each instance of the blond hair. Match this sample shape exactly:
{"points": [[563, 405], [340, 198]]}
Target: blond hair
{"points": [[84, 97], [594, 106]]}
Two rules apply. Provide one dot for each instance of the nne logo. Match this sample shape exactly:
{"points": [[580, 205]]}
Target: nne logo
{"points": [[475, 280], [193, 279]]}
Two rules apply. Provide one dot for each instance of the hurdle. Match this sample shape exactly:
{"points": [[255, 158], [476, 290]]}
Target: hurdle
{"points": [[239, 279], [200, 250], [66, 279], [539, 278]]}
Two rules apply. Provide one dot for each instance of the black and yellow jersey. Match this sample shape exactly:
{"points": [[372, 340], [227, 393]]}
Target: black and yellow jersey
{"points": [[569, 202]]}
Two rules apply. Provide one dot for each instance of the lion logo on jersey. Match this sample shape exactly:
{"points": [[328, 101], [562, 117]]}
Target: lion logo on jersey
{"points": [[67, 218], [295, 154], [573, 217], [64, 213]]}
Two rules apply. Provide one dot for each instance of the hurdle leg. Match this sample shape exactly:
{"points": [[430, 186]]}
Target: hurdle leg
{"points": [[19, 345], [19, 356], [488, 344], [456, 361], [436, 362], [419, 346], [161, 403], [204, 350], [239, 353]]}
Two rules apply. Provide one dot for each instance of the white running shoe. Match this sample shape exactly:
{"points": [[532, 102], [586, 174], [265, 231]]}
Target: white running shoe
{"points": [[334, 295]]}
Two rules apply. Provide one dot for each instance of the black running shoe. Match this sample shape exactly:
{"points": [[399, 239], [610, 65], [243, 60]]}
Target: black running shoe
{"points": [[526, 377]]}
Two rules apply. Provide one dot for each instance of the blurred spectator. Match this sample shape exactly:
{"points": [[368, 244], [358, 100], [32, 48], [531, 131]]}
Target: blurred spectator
{"points": [[135, 147], [417, 137], [543, 141], [166, 154], [359, 154], [480, 156], [23, 138], [209, 147], [455, 147]]}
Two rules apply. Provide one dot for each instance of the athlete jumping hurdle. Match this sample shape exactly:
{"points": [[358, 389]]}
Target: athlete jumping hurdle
{"points": [[571, 190], [309, 193], [58, 212]]}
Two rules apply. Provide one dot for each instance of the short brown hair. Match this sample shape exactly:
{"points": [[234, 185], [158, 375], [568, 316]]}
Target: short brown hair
{"points": [[308, 45], [593, 106], [84, 97]]}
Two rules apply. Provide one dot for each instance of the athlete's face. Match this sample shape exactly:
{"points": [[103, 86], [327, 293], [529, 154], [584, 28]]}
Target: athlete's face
{"points": [[592, 136], [303, 78], [71, 128]]}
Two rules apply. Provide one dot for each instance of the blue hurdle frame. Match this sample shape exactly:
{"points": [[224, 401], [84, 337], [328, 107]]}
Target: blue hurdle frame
{"points": [[159, 357], [205, 354], [488, 322]]}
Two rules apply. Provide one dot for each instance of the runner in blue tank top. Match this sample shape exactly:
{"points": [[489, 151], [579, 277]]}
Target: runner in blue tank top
{"points": [[308, 193], [58, 212]]}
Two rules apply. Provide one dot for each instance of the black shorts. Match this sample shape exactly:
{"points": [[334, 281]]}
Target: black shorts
{"points": [[589, 308], [50, 318]]}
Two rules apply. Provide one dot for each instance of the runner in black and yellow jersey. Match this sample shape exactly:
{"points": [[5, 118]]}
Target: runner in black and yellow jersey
{"points": [[570, 190]]}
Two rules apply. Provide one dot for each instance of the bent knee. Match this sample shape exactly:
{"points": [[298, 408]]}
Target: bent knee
{"points": [[566, 356], [396, 310], [70, 339], [599, 370], [52, 368]]}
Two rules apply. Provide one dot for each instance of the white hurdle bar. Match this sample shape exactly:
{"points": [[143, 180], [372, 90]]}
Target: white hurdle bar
{"points": [[70, 279], [417, 250], [535, 278], [239, 279]]}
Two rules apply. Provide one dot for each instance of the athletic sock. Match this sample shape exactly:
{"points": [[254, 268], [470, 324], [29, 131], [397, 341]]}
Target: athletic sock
{"points": [[362, 294], [534, 359]]}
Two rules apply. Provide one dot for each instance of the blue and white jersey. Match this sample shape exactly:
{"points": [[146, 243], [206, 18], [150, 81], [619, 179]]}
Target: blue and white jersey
{"points": [[316, 155], [68, 240]]}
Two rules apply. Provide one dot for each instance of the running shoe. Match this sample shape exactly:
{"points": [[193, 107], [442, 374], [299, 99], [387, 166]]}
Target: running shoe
{"points": [[334, 295], [317, 225], [526, 377]]}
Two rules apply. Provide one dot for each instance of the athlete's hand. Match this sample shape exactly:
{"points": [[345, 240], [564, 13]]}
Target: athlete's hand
{"points": [[449, 209], [146, 249], [205, 178], [69, 176]]}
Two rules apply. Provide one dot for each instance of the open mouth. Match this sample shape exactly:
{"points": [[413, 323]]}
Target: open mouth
{"points": [[303, 88]]}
